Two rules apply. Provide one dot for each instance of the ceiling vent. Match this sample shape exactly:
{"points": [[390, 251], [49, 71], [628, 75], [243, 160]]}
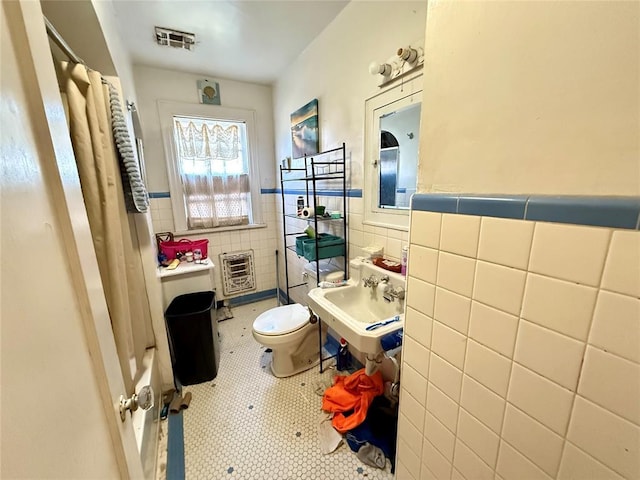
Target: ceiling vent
{"points": [[174, 38]]}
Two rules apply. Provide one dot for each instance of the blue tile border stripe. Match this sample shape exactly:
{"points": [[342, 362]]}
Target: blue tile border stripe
{"points": [[159, 195], [353, 192], [252, 297], [175, 447], [604, 211]]}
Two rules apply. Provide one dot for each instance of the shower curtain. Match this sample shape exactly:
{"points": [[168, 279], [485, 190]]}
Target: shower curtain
{"points": [[111, 226]]}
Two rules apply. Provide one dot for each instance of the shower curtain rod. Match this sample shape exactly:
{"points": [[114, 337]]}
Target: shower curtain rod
{"points": [[60, 42], [66, 49]]}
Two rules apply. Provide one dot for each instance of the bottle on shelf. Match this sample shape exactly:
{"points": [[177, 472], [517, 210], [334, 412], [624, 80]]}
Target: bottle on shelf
{"points": [[342, 362]]}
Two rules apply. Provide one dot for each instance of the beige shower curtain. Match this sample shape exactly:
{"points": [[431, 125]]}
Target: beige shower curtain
{"points": [[118, 260]]}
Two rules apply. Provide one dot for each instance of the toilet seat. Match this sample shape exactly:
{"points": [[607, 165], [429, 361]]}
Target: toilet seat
{"points": [[281, 320]]}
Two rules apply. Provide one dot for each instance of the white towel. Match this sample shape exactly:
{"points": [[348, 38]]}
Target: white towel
{"points": [[329, 438]]}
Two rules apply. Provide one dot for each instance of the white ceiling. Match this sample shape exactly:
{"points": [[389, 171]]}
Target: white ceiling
{"points": [[242, 40]]}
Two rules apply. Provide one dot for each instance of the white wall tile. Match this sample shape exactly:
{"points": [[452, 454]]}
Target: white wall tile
{"points": [[424, 263], [550, 354], [412, 409], [512, 465], [577, 465], [425, 228], [561, 306], [504, 241], [542, 399], [449, 344], [470, 465], [611, 382], [478, 438], [499, 287], [460, 234], [394, 248], [408, 462], [534, 440], [414, 354], [610, 439], [569, 252], [455, 273], [439, 467], [410, 434], [452, 309], [439, 436], [482, 403], [445, 376], [493, 328], [622, 269], [421, 296], [414, 383], [442, 407], [418, 326], [488, 368], [616, 325]]}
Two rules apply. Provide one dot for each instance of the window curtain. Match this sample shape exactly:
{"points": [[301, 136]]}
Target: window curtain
{"points": [[117, 253], [213, 172]]}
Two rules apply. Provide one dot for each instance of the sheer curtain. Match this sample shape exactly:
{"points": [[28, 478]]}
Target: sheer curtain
{"points": [[213, 169]]}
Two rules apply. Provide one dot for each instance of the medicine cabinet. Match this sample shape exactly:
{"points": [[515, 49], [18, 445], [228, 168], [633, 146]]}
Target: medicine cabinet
{"points": [[392, 138]]}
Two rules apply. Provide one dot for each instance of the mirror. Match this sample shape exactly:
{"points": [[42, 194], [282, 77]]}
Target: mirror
{"points": [[391, 154], [398, 156]]}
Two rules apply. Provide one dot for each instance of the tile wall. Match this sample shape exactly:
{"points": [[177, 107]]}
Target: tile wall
{"points": [[262, 240], [522, 350], [359, 235]]}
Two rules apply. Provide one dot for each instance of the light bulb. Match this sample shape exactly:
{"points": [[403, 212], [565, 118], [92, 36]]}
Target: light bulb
{"points": [[382, 69], [408, 54]]}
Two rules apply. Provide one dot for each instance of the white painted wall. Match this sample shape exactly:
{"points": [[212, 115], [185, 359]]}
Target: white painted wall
{"points": [[59, 365], [335, 69], [153, 84], [533, 97]]}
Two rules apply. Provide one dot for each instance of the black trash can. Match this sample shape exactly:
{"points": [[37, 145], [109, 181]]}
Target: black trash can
{"points": [[193, 337]]}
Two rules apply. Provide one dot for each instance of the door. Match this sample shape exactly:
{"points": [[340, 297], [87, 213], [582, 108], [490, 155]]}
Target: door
{"points": [[61, 379]]}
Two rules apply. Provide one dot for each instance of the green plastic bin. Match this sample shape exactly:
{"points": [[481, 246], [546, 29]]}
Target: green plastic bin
{"points": [[328, 246]]}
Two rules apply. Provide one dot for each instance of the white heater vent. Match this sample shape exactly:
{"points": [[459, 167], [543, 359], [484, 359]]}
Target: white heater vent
{"points": [[238, 272]]}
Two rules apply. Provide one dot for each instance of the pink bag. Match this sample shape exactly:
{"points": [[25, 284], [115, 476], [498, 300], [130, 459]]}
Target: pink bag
{"points": [[184, 245]]}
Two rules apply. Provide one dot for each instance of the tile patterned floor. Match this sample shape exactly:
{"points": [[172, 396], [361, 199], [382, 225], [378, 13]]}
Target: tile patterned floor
{"points": [[247, 424]]}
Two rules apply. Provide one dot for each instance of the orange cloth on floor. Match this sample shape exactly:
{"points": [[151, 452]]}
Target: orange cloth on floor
{"points": [[353, 393]]}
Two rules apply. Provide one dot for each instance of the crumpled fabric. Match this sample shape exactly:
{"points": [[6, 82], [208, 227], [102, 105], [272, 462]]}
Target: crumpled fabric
{"points": [[352, 394]]}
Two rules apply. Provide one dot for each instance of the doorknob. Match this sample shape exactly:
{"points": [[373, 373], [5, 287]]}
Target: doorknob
{"points": [[143, 399]]}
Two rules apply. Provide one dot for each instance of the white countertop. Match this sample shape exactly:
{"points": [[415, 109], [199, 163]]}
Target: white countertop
{"points": [[187, 267]]}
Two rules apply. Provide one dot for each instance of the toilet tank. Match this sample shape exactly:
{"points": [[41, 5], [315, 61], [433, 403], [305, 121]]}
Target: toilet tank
{"points": [[328, 272]]}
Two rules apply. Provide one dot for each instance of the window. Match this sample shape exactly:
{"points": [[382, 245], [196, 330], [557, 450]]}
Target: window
{"points": [[210, 166]]}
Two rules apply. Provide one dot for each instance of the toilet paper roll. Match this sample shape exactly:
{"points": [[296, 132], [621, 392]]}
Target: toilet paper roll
{"points": [[306, 212]]}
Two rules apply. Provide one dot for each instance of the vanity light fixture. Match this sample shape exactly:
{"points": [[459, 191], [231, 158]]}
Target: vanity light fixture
{"points": [[408, 54], [383, 69], [405, 60]]}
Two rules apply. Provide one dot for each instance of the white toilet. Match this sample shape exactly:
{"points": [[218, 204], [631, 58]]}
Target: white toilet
{"points": [[288, 332]]}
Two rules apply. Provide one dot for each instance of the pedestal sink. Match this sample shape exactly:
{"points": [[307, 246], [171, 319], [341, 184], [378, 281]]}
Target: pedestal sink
{"points": [[367, 308]]}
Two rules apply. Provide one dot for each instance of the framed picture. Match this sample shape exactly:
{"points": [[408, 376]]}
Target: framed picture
{"points": [[304, 130], [209, 92]]}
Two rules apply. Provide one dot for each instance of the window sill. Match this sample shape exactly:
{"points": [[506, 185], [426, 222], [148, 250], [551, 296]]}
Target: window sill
{"points": [[220, 229]]}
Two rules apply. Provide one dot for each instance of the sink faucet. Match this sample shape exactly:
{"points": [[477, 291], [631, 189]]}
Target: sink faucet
{"points": [[391, 293], [370, 281]]}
